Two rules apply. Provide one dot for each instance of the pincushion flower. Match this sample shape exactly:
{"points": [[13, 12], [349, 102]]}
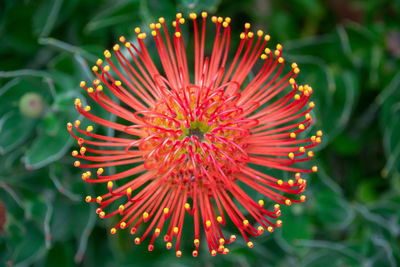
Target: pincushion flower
{"points": [[195, 133]]}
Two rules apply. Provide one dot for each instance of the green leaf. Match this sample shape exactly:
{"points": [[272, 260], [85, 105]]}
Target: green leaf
{"points": [[14, 130], [47, 148]]}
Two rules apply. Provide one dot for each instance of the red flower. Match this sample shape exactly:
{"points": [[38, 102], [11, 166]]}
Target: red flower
{"points": [[190, 143]]}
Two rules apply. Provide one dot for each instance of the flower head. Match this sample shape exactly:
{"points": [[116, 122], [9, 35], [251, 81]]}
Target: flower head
{"points": [[195, 133]]}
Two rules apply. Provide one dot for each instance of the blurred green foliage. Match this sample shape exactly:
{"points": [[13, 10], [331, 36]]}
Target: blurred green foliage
{"points": [[349, 51]]}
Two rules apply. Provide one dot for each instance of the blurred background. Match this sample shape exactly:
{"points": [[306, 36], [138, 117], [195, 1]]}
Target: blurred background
{"points": [[348, 51]]}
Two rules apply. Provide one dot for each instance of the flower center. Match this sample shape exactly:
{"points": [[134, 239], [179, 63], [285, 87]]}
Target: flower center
{"points": [[193, 140]]}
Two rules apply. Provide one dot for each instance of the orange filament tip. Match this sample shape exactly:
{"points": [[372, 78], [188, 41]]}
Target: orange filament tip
{"points": [[106, 68], [302, 149], [99, 199], [292, 81], [221, 241], [250, 34], [196, 242], [145, 215], [152, 26], [193, 15], [133, 231], [181, 20], [107, 54], [100, 171], [219, 219], [291, 155], [77, 163], [204, 14], [157, 231], [315, 169], [87, 108], [292, 135], [260, 33], [142, 36], [102, 214], [303, 198], [270, 229], [308, 116], [279, 223], [261, 203], [89, 128], [318, 140], [82, 150], [74, 153], [116, 47], [213, 253], [150, 247], [110, 184], [178, 34], [220, 19], [95, 69], [288, 202], [226, 251], [313, 138], [247, 25], [178, 15], [246, 223], [277, 206], [232, 238], [69, 125], [319, 133], [137, 240], [154, 33], [242, 36], [214, 19], [187, 206], [228, 19], [263, 56], [122, 39], [129, 191], [208, 223], [99, 61], [169, 245], [296, 70], [113, 231], [137, 30], [301, 127], [166, 210], [310, 154], [127, 44], [77, 123], [118, 83], [297, 175], [158, 25], [161, 20], [176, 230], [195, 253], [281, 60], [174, 23], [82, 84], [294, 65], [290, 182], [280, 182], [260, 229], [301, 181], [267, 37], [88, 199], [279, 46], [250, 244], [225, 24], [123, 225]]}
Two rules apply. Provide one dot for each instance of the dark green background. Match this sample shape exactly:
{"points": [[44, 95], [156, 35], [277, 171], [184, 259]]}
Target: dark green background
{"points": [[347, 50]]}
